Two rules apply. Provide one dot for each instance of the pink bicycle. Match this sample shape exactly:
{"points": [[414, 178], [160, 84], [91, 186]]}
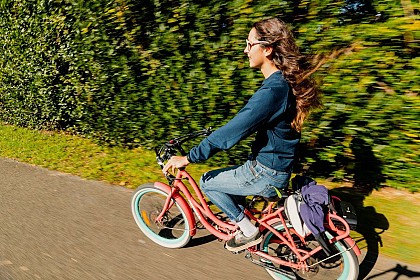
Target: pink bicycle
{"points": [[165, 214]]}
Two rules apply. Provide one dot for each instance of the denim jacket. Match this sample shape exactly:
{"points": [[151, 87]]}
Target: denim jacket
{"points": [[268, 112]]}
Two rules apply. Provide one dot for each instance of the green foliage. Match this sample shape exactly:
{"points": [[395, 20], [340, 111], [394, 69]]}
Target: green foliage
{"points": [[131, 73], [368, 128]]}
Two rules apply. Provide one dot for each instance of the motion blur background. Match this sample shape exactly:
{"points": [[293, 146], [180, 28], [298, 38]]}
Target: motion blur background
{"points": [[132, 73]]}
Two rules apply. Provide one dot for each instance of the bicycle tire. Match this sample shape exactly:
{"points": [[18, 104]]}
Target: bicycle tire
{"points": [[146, 204], [342, 267]]}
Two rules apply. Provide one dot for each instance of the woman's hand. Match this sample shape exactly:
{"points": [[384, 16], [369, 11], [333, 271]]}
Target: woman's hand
{"points": [[175, 162]]}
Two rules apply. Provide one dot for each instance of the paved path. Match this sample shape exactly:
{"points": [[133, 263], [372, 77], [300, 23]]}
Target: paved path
{"points": [[59, 226]]}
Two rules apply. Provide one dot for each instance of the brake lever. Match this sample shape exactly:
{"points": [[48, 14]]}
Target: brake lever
{"points": [[208, 131]]}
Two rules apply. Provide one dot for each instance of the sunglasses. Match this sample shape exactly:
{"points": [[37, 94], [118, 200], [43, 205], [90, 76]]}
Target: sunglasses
{"points": [[249, 44]]}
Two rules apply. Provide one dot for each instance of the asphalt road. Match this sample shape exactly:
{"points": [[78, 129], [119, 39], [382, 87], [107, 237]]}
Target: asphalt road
{"points": [[59, 226]]}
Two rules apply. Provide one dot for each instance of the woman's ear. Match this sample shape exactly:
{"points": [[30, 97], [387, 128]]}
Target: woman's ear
{"points": [[268, 51]]}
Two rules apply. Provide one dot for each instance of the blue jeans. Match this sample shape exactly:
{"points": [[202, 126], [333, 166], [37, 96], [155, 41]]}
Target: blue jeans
{"points": [[226, 187]]}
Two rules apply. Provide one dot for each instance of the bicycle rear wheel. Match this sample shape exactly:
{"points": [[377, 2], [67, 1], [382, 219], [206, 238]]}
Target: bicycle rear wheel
{"points": [[173, 231], [343, 266]]}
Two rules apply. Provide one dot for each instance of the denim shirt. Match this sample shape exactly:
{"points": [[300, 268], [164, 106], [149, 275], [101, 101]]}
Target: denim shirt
{"points": [[268, 112]]}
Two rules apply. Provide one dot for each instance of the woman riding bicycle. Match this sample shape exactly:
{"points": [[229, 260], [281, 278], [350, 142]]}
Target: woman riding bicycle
{"points": [[276, 111]]}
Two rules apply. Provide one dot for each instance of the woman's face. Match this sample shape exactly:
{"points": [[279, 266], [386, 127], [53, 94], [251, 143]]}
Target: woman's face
{"points": [[254, 50]]}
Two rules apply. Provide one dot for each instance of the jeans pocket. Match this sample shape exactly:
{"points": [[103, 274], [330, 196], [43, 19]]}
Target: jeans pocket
{"points": [[256, 169]]}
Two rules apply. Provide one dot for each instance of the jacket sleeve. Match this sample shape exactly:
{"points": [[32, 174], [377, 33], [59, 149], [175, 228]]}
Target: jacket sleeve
{"points": [[259, 109]]}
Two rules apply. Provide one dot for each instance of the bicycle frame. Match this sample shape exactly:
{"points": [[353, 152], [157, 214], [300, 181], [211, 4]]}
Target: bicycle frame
{"points": [[200, 207], [224, 230], [287, 239]]}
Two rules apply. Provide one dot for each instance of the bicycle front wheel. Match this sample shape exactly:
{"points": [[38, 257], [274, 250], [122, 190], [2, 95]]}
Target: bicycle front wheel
{"points": [[343, 265], [173, 230]]}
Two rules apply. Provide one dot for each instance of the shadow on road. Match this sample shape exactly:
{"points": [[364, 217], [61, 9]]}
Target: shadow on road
{"points": [[197, 241], [399, 269], [367, 177], [370, 225]]}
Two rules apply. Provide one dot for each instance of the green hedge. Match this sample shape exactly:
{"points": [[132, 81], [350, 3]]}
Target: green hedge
{"points": [[131, 73]]}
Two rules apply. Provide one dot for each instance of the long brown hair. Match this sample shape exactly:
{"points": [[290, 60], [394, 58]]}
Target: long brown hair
{"points": [[296, 67]]}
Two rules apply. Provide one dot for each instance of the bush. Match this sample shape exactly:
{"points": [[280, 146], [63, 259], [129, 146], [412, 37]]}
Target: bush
{"points": [[132, 73]]}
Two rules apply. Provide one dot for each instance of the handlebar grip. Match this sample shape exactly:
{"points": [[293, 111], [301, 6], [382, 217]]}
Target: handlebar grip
{"points": [[168, 149]]}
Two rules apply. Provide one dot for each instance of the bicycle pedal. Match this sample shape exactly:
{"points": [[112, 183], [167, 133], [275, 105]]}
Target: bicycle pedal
{"points": [[237, 253]]}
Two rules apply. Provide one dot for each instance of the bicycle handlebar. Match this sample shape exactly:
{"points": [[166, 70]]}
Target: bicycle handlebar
{"points": [[167, 150], [176, 142]]}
